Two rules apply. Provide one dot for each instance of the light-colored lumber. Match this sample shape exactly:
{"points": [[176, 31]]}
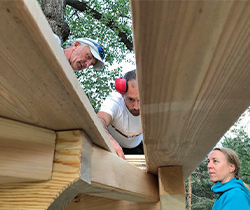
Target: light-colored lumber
{"points": [[171, 187], [137, 160], [88, 202], [81, 168], [193, 62], [26, 152], [121, 180], [74, 151], [40, 195], [113, 178], [37, 84]]}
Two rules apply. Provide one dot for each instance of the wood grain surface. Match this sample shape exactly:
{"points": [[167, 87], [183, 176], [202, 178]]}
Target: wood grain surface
{"points": [[40, 195], [171, 188], [26, 152], [193, 61], [87, 202], [37, 84]]}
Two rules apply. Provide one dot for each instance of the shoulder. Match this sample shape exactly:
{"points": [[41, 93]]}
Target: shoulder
{"points": [[235, 198], [236, 192], [113, 104], [115, 96], [58, 39], [114, 99]]}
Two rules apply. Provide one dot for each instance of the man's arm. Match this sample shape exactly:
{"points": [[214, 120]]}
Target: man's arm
{"points": [[106, 119]]}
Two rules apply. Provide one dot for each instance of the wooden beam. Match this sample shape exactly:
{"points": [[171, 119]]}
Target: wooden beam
{"points": [[87, 202], [121, 180], [26, 152], [193, 73], [172, 188], [80, 168], [38, 85]]}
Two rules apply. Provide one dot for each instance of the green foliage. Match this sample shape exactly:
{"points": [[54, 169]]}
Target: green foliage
{"points": [[241, 145], [102, 21], [97, 84], [83, 24], [202, 196]]}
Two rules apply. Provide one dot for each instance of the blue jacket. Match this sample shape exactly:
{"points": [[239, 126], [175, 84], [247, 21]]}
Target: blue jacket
{"points": [[233, 195]]}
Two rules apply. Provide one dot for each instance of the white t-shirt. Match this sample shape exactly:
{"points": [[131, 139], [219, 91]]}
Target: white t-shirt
{"points": [[125, 127], [58, 40]]}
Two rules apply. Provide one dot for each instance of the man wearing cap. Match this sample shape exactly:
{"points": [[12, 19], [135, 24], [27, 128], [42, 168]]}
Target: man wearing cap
{"points": [[120, 117], [84, 53]]}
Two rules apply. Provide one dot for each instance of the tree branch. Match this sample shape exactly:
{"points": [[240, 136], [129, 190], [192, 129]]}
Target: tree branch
{"points": [[83, 7]]}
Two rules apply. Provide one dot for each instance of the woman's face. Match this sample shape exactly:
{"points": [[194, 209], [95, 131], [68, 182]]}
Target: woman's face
{"points": [[220, 170]]}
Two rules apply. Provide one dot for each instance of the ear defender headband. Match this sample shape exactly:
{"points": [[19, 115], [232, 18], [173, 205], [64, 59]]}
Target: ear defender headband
{"points": [[121, 85]]}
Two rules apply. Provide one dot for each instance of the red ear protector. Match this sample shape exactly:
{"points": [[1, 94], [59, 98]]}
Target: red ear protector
{"points": [[121, 85]]}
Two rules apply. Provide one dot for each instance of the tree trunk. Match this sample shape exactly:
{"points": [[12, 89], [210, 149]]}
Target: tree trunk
{"points": [[54, 11]]}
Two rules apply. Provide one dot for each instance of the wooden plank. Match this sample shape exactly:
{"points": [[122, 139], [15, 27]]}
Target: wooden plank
{"points": [[172, 188], [87, 202], [121, 180], [193, 64], [26, 152], [37, 84], [80, 168], [137, 160]]}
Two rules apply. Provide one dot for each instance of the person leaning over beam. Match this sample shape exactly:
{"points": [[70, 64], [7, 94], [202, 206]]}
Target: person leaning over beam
{"points": [[120, 116], [224, 167], [83, 53]]}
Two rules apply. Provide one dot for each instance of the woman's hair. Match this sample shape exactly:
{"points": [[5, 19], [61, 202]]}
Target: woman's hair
{"points": [[231, 157]]}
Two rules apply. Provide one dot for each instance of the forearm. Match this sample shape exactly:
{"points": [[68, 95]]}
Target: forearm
{"points": [[114, 143], [104, 125]]}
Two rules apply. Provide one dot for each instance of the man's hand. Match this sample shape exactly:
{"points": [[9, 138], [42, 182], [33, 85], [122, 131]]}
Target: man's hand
{"points": [[105, 120], [118, 149]]}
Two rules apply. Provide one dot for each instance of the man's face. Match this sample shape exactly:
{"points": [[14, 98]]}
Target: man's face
{"points": [[81, 57], [131, 98]]}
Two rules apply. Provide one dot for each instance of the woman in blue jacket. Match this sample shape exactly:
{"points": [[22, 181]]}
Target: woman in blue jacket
{"points": [[224, 166]]}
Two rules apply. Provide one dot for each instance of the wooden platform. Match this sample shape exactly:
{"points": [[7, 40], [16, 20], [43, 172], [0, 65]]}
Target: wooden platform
{"points": [[193, 64]]}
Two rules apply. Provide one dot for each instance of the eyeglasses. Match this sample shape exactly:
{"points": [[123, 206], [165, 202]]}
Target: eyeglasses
{"points": [[100, 49]]}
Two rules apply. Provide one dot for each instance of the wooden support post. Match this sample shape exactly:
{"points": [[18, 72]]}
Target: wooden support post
{"points": [[171, 187], [26, 152]]}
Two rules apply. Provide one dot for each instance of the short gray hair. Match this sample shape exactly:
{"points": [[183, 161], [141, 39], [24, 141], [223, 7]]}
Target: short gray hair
{"points": [[70, 44]]}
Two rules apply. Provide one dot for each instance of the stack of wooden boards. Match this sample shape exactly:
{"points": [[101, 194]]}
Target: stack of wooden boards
{"points": [[193, 62]]}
